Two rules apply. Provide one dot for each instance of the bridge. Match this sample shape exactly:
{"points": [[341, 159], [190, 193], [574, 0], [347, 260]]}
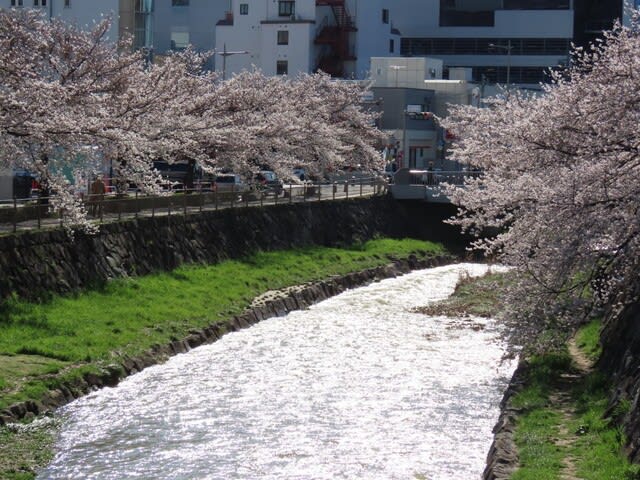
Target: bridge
{"points": [[426, 185]]}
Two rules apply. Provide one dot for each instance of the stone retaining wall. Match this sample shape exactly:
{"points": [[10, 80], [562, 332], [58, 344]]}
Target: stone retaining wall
{"points": [[34, 265], [502, 459], [620, 361]]}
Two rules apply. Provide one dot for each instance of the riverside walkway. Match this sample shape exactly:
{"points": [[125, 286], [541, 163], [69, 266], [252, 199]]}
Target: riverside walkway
{"points": [[22, 215]]}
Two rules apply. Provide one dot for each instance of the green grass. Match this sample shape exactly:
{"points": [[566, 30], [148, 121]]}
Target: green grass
{"points": [[588, 340], [478, 296], [128, 316], [540, 459], [24, 451], [45, 345], [538, 424], [593, 442]]}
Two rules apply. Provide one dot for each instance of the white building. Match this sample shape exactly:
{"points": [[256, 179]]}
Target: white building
{"points": [[287, 37], [497, 39], [83, 13], [178, 23]]}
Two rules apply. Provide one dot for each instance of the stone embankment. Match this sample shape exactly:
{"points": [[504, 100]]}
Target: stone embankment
{"points": [[37, 264], [272, 304], [620, 361], [502, 459]]}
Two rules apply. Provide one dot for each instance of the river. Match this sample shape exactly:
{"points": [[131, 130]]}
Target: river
{"points": [[355, 387]]}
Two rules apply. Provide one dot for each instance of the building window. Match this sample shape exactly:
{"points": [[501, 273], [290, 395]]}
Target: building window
{"points": [[16, 3], [67, 3], [385, 15], [179, 40], [536, 5], [244, 9], [286, 8], [179, 3], [282, 67], [484, 46], [479, 13], [391, 46], [283, 37], [38, 3]]}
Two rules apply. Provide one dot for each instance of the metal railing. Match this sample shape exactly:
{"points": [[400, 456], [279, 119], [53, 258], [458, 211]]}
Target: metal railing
{"points": [[433, 177], [35, 213]]}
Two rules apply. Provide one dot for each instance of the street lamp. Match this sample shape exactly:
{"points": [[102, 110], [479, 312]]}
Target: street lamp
{"points": [[508, 48], [224, 54]]}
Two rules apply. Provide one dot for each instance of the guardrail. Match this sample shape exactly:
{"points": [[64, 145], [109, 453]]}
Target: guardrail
{"points": [[35, 213], [433, 177]]}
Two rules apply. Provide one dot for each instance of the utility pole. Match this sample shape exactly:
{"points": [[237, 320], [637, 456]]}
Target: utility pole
{"points": [[507, 48], [224, 54]]}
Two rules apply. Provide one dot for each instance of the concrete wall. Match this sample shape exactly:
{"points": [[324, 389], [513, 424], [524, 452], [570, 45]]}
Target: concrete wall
{"points": [[37, 264], [6, 184], [404, 72], [197, 20], [421, 18], [373, 36], [80, 12]]}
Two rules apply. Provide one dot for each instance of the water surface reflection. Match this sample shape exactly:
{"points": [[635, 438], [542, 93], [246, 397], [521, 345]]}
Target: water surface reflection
{"points": [[355, 387]]}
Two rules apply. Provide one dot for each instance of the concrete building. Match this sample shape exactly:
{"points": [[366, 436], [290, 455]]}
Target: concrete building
{"points": [[496, 39], [412, 94], [178, 23], [79, 12], [285, 37]]}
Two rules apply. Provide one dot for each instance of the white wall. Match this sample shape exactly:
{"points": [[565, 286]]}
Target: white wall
{"points": [[81, 12], [244, 35], [298, 53], [404, 72], [199, 19], [257, 33], [421, 18], [373, 36]]}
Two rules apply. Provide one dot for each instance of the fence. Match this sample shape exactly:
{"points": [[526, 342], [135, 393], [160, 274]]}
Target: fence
{"points": [[35, 213]]}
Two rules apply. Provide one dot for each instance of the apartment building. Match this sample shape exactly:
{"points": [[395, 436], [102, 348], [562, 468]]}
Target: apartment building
{"points": [[284, 37], [178, 23], [79, 12], [498, 41]]}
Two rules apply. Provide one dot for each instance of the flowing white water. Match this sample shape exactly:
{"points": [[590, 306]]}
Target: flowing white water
{"points": [[356, 387]]}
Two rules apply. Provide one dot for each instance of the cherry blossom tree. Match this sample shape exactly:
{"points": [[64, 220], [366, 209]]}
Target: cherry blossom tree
{"points": [[282, 122], [70, 98], [561, 182]]}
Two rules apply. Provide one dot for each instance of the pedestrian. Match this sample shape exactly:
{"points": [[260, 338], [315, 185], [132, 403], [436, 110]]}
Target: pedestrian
{"points": [[96, 196], [430, 179]]}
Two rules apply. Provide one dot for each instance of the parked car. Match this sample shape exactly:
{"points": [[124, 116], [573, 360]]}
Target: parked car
{"points": [[230, 182], [268, 182], [300, 173], [230, 187], [178, 175]]}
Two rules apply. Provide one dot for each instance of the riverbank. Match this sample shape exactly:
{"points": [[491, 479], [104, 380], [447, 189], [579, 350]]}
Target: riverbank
{"points": [[557, 419], [554, 422], [57, 342]]}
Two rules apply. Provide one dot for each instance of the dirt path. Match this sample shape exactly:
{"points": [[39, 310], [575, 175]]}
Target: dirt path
{"points": [[561, 399]]}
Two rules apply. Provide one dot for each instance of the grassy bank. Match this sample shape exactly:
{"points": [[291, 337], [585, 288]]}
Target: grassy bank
{"points": [[43, 345], [562, 432]]}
